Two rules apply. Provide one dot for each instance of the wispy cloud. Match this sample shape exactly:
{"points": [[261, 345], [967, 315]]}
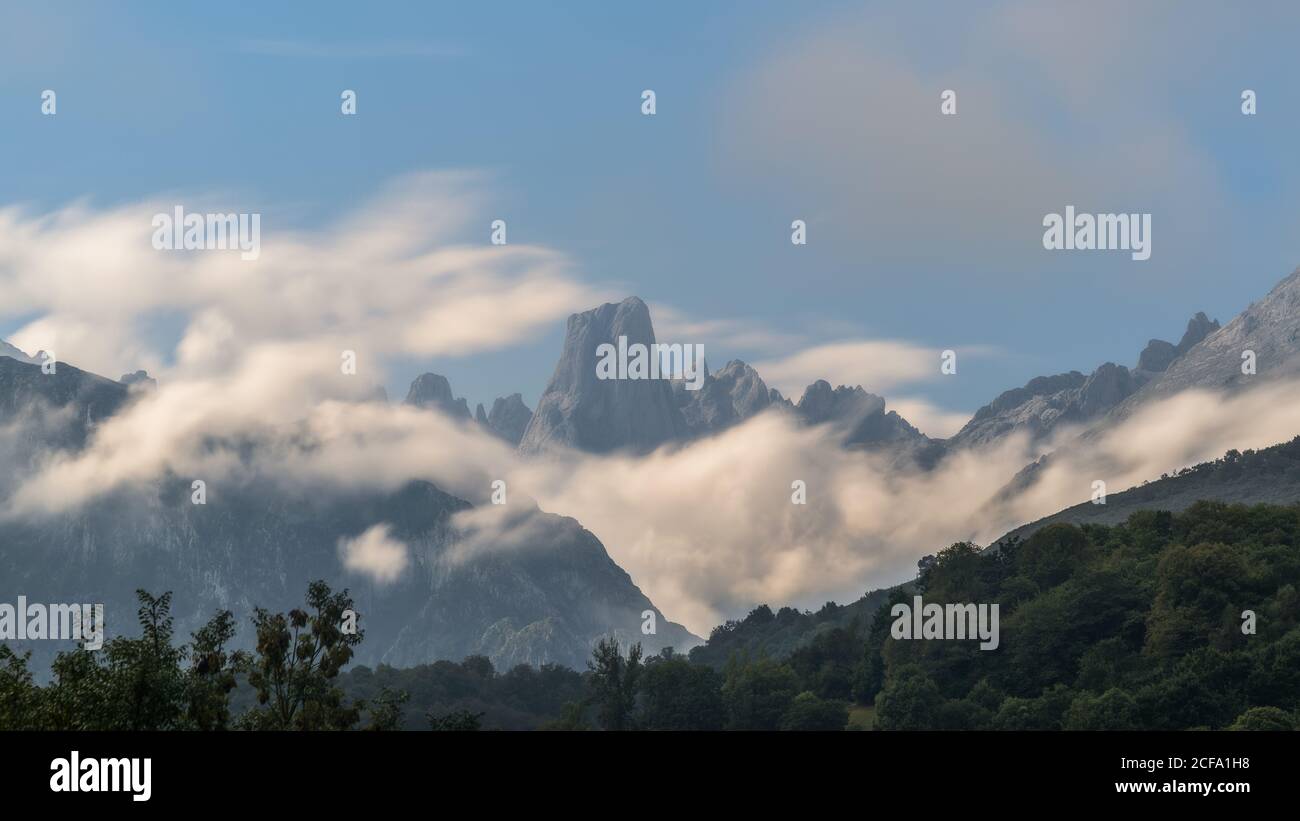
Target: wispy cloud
{"points": [[878, 365], [732, 337], [375, 553], [396, 277]]}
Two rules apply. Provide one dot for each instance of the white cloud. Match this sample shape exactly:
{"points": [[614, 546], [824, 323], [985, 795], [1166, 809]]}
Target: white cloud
{"points": [[375, 553], [731, 337], [931, 420], [878, 365], [388, 280]]}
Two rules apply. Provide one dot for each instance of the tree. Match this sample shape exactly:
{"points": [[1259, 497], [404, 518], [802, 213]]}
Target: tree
{"points": [[1112, 710], [455, 721], [613, 682], [678, 695], [212, 674], [809, 712], [1053, 554], [910, 701], [386, 710], [20, 698], [297, 659], [144, 674], [757, 694], [869, 674], [1264, 718]]}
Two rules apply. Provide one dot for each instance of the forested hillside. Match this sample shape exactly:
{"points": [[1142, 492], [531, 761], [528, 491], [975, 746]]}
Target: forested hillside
{"points": [[1143, 625]]}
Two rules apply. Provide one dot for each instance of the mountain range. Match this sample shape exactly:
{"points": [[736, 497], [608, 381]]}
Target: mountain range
{"points": [[550, 601]]}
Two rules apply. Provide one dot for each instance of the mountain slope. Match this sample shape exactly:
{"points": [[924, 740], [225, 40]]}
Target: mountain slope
{"points": [[1270, 328], [1048, 403], [14, 353], [1270, 475]]}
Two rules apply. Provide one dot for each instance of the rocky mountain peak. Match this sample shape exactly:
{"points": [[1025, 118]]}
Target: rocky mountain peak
{"points": [[433, 391], [1198, 327], [820, 403], [1158, 355], [727, 397], [140, 380], [1210, 356], [15, 353], [509, 418], [582, 411]]}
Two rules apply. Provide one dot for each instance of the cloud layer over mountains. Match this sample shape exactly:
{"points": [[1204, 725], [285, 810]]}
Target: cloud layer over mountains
{"points": [[705, 526]]}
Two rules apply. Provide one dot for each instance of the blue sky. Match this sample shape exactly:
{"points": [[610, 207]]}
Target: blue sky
{"points": [[921, 228]]}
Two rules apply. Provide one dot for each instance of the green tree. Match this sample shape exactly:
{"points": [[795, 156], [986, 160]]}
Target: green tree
{"points": [[758, 693], [1112, 710], [144, 674], [909, 701], [298, 656], [613, 681], [869, 674], [678, 695], [386, 710], [810, 712], [20, 698], [456, 721], [212, 674], [1264, 718]]}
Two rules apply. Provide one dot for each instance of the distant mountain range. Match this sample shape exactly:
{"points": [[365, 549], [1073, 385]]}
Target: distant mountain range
{"points": [[1047, 403], [553, 600]]}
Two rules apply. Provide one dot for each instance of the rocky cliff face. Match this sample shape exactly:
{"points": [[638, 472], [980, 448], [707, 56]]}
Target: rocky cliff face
{"points": [[579, 410]]}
